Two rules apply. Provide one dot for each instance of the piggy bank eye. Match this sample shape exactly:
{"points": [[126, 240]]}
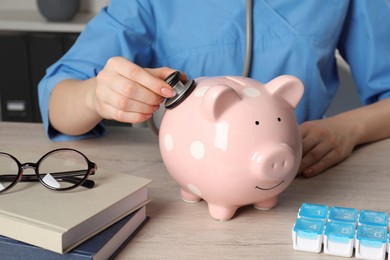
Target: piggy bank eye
{"points": [[257, 122], [279, 119]]}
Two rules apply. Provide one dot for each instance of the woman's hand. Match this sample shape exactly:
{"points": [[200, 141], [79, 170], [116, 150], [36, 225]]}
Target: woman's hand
{"points": [[328, 141], [122, 91], [128, 93], [325, 143]]}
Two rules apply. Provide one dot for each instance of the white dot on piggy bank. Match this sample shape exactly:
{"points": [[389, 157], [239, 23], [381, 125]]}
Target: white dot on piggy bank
{"points": [[252, 92], [201, 91], [168, 142], [197, 150], [194, 190]]}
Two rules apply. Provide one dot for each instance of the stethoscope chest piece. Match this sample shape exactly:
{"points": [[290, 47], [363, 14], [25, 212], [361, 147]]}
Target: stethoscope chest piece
{"points": [[181, 90]]}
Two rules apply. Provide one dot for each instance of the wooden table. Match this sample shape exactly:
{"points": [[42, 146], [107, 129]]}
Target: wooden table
{"points": [[178, 230]]}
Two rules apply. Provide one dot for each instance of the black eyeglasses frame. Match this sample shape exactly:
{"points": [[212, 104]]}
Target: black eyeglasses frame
{"points": [[69, 176]]}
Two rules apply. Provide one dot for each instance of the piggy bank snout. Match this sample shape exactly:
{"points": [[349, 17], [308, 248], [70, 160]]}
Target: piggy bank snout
{"points": [[275, 163]]}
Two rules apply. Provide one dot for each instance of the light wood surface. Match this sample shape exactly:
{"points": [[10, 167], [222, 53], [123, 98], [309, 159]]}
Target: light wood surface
{"points": [[179, 230]]}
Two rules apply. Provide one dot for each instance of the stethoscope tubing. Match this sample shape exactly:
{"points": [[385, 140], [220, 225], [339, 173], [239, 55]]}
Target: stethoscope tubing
{"points": [[248, 39]]}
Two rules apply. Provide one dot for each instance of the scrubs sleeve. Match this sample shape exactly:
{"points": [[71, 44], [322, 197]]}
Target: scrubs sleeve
{"points": [[365, 45], [118, 30]]}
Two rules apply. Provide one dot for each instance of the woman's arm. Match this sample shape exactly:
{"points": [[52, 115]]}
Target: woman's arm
{"points": [[122, 91]]}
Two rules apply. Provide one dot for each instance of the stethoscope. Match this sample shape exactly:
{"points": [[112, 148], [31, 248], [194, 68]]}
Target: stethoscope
{"points": [[183, 89]]}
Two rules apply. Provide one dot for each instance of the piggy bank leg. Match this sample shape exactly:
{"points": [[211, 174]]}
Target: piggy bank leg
{"points": [[189, 197], [221, 212], [266, 204]]}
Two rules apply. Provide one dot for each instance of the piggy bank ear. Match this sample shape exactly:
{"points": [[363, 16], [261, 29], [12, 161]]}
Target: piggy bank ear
{"points": [[217, 100], [288, 88]]}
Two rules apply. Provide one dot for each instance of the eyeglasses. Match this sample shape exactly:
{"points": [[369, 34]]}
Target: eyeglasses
{"points": [[61, 169]]}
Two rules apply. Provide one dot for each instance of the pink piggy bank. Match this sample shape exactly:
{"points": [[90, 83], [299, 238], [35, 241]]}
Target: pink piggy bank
{"points": [[233, 142]]}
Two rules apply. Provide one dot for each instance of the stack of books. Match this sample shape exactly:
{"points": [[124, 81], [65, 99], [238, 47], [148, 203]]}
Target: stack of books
{"points": [[37, 223]]}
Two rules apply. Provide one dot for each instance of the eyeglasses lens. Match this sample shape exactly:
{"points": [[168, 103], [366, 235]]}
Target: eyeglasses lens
{"points": [[63, 169], [8, 171]]}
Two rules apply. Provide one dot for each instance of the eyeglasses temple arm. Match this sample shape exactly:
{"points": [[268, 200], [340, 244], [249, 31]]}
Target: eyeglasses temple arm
{"points": [[69, 176], [87, 183]]}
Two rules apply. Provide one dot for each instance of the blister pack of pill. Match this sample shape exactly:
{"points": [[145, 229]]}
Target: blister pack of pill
{"points": [[341, 231]]}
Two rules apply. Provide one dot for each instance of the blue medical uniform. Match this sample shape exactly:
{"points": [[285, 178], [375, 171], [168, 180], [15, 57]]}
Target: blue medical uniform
{"points": [[207, 38]]}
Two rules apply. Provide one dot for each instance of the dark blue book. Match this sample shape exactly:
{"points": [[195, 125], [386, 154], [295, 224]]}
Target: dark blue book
{"points": [[104, 245]]}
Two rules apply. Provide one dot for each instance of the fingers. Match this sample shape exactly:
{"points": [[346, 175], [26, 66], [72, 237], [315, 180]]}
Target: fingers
{"points": [[142, 76], [315, 149], [316, 159], [128, 90], [128, 104], [122, 116], [128, 93], [327, 160], [325, 144], [164, 72]]}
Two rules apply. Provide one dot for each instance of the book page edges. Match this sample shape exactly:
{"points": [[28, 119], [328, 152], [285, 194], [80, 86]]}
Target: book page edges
{"points": [[121, 236], [94, 225]]}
